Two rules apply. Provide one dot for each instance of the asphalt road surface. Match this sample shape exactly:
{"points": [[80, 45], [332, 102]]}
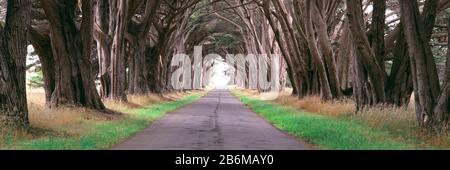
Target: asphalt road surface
{"points": [[218, 121]]}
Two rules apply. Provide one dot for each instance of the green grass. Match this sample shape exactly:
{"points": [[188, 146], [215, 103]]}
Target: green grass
{"points": [[326, 132], [105, 134]]}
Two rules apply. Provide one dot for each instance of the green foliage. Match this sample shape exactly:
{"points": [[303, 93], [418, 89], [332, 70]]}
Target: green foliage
{"points": [[199, 13], [327, 132], [227, 40], [196, 16], [37, 80]]}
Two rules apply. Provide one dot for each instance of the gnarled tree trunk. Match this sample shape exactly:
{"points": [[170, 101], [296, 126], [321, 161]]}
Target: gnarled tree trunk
{"points": [[426, 83], [317, 58], [377, 31], [139, 65], [40, 39], [324, 44], [118, 51], [399, 85], [373, 85], [13, 51], [72, 51], [104, 28]]}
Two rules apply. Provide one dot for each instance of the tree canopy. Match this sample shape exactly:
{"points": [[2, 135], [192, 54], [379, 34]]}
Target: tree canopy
{"points": [[377, 52]]}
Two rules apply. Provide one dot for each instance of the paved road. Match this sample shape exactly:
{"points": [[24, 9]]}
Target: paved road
{"points": [[218, 121]]}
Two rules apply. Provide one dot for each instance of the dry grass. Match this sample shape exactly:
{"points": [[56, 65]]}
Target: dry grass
{"points": [[72, 121], [67, 121], [315, 105], [133, 102], [392, 117], [139, 101], [42, 117], [402, 122], [312, 104]]}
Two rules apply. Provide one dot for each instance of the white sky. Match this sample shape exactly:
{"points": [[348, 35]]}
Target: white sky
{"points": [[219, 79]]}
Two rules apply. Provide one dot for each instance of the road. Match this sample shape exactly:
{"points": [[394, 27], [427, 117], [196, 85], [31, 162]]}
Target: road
{"points": [[218, 121]]}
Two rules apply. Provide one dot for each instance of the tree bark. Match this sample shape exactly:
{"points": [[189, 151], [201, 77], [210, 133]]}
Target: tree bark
{"points": [[118, 52], [317, 58], [157, 65], [399, 86], [343, 60], [72, 51], [377, 31], [376, 75], [40, 39], [324, 43], [113, 20], [13, 51], [426, 86], [284, 38], [442, 109], [104, 28], [139, 65]]}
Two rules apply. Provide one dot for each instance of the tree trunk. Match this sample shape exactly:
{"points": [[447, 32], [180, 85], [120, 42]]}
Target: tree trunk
{"points": [[318, 60], [113, 18], [156, 64], [104, 30], [442, 109], [376, 75], [40, 39], [426, 86], [344, 59], [377, 31], [72, 51], [118, 52], [13, 51], [324, 43], [296, 69], [140, 81], [399, 85]]}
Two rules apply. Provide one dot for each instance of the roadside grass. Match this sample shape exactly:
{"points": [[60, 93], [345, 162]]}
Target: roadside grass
{"points": [[327, 128], [83, 129]]}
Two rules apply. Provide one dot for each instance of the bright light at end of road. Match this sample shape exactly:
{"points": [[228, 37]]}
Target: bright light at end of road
{"points": [[219, 78]]}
